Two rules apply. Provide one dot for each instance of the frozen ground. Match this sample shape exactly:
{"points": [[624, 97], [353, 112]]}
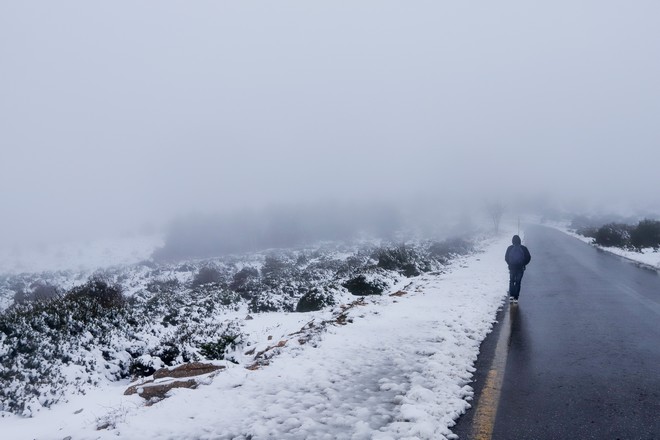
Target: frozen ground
{"points": [[401, 369], [647, 256]]}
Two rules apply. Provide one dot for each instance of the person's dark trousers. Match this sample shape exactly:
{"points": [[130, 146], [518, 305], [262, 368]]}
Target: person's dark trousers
{"points": [[515, 278]]}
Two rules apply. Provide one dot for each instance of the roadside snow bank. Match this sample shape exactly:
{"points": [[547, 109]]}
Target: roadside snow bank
{"points": [[647, 256], [400, 368]]}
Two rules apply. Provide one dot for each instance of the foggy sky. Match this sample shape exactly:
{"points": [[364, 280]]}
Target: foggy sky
{"points": [[118, 114]]}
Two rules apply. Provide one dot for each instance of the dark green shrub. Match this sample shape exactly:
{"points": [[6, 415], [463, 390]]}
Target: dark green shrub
{"points": [[207, 275], [646, 235], [169, 285], [445, 250], [38, 291], [168, 353], [361, 286], [399, 259], [265, 302], [613, 234], [314, 300], [98, 292], [276, 269], [246, 282], [588, 232], [141, 368], [216, 350]]}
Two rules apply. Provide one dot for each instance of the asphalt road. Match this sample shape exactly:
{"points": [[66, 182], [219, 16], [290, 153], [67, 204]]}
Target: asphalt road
{"points": [[583, 358]]}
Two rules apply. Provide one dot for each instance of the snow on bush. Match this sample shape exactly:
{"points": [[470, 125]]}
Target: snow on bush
{"points": [[66, 334]]}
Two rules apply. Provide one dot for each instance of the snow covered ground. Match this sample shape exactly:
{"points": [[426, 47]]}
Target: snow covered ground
{"points": [[400, 368], [647, 256]]}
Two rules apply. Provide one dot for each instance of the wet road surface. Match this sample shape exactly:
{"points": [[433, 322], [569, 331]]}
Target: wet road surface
{"points": [[583, 359]]}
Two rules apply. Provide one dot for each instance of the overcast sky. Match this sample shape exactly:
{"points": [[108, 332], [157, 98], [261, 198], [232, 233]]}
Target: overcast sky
{"points": [[113, 114]]}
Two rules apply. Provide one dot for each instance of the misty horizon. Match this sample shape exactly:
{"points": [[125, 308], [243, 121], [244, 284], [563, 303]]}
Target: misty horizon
{"points": [[118, 119]]}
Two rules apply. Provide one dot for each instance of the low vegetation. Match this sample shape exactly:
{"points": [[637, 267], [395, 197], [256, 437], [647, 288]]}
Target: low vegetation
{"points": [[65, 333], [645, 234]]}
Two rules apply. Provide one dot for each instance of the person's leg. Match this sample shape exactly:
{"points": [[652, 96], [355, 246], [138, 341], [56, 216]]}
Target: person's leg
{"points": [[512, 282], [517, 281]]}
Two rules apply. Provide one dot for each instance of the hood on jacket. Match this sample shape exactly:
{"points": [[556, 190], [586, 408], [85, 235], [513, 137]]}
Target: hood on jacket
{"points": [[516, 240]]}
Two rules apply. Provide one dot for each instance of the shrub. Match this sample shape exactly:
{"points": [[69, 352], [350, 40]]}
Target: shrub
{"points": [[159, 286], [275, 269], [246, 282], [216, 350], [444, 250], [613, 234], [646, 234], [38, 291], [266, 302], [168, 353], [143, 366], [97, 291], [207, 275], [589, 232], [362, 286], [399, 259], [313, 300]]}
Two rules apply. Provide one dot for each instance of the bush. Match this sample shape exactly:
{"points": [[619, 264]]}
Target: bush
{"points": [[39, 291], [646, 235], [443, 251], [614, 234], [207, 275], [42, 339], [361, 286], [275, 269], [314, 300], [267, 302], [216, 350], [97, 291], [143, 366], [159, 286], [589, 232], [246, 282], [399, 259]]}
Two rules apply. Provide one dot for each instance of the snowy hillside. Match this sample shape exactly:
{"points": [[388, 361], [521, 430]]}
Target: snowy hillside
{"points": [[382, 366]]}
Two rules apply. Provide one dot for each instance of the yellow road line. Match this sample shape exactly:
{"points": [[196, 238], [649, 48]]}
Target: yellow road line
{"points": [[486, 411]]}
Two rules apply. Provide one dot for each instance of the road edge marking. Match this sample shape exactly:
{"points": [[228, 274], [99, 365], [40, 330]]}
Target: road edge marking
{"points": [[486, 410]]}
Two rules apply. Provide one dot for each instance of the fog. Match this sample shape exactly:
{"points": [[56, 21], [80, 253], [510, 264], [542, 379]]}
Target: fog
{"points": [[120, 117]]}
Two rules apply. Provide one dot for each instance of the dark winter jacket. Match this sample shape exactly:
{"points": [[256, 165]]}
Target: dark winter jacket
{"points": [[516, 242]]}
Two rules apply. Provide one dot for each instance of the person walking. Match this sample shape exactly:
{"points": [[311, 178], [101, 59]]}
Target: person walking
{"points": [[517, 257]]}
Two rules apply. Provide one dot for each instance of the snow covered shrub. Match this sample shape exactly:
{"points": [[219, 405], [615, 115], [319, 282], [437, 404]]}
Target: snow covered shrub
{"points": [[170, 354], [362, 285], [401, 259], [589, 232], [246, 282], [208, 275], [614, 234], [168, 285], [97, 292], [646, 235], [216, 350], [315, 299], [143, 366], [268, 302], [70, 341], [38, 291], [276, 269], [354, 264], [444, 251]]}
